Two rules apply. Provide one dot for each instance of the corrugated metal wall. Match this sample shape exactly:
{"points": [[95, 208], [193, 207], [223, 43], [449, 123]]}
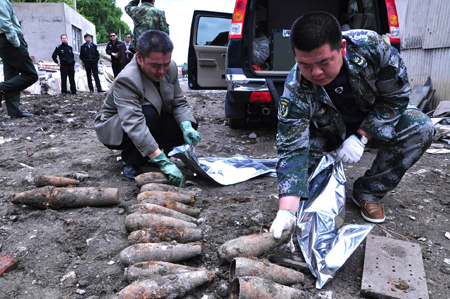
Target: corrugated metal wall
{"points": [[425, 43]]}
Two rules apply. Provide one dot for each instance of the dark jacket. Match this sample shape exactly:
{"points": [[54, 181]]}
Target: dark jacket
{"points": [[65, 54], [113, 48], [89, 53], [124, 60]]}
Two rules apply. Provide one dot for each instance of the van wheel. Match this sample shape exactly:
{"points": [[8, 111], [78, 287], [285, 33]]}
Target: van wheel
{"points": [[236, 123]]}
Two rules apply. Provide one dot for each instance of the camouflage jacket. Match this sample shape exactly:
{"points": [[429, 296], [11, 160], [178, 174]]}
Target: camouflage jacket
{"points": [[146, 17], [379, 82]]}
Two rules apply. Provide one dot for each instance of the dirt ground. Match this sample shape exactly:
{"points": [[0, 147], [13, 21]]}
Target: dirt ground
{"points": [[74, 253]]}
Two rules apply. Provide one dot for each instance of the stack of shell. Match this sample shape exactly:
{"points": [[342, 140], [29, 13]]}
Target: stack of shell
{"points": [[163, 231]]}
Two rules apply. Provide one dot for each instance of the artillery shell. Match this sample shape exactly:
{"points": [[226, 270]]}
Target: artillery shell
{"points": [[137, 221], [151, 177], [242, 266], [169, 286], [165, 234], [173, 205], [165, 187], [166, 195], [167, 252], [249, 287], [251, 245], [145, 270], [156, 209], [42, 180], [57, 198]]}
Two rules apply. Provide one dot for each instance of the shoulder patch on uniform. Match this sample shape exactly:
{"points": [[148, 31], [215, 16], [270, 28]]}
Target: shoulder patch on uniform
{"points": [[357, 60], [285, 104]]}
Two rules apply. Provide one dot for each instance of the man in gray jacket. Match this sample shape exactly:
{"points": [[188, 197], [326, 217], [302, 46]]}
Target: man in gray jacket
{"points": [[145, 112]]}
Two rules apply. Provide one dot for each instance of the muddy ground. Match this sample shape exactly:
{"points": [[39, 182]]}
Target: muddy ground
{"points": [[74, 253]]}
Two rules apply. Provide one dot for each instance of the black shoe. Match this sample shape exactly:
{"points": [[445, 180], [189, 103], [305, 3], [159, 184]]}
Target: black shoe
{"points": [[130, 171], [100, 90], [22, 114], [91, 91]]}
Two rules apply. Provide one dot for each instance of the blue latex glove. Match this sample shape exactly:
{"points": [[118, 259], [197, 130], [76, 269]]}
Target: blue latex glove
{"points": [[169, 169], [190, 135]]}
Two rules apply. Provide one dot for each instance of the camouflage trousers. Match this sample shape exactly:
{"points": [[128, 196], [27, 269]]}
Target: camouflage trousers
{"points": [[414, 133]]}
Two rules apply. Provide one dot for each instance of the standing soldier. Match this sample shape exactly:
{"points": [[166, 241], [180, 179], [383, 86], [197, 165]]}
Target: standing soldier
{"points": [[66, 64], [146, 17], [90, 56], [112, 48], [18, 68]]}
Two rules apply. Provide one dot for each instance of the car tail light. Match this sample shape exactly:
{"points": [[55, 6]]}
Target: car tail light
{"points": [[237, 23], [260, 96], [393, 21]]}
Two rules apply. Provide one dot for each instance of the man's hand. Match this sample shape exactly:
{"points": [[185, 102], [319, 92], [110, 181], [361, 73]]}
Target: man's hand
{"points": [[169, 169], [190, 135], [350, 151], [285, 220]]}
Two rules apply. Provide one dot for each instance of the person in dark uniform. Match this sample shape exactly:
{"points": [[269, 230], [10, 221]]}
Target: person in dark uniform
{"points": [[90, 56], [66, 64], [112, 48], [18, 68]]}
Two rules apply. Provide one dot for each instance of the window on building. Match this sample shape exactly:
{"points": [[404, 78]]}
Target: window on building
{"points": [[76, 35]]}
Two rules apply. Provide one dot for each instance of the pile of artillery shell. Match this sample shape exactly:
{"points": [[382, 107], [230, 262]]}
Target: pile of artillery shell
{"points": [[163, 230], [256, 278]]}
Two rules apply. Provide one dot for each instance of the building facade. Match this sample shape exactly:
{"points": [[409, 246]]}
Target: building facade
{"points": [[43, 23]]}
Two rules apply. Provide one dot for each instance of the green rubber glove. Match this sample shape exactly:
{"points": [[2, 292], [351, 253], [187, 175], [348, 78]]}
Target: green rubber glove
{"points": [[169, 169], [190, 135]]}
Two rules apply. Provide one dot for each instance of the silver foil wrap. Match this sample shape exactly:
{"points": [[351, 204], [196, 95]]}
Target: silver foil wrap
{"points": [[225, 171], [325, 244]]}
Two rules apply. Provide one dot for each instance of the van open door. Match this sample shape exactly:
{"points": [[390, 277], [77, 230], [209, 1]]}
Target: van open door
{"points": [[207, 50]]}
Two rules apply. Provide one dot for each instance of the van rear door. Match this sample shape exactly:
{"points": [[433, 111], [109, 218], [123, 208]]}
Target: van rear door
{"points": [[207, 49]]}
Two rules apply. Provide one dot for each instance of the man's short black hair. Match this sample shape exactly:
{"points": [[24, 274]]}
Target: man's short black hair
{"points": [[127, 34], [154, 41], [87, 34], [315, 29]]}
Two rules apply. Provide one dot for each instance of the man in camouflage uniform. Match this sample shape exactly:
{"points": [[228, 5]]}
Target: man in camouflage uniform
{"points": [[146, 17], [346, 91]]}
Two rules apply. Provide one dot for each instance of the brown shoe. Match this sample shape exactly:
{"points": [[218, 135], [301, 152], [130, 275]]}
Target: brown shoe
{"points": [[371, 211]]}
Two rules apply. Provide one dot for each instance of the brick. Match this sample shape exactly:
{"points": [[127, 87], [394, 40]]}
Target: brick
{"points": [[7, 263], [393, 269]]}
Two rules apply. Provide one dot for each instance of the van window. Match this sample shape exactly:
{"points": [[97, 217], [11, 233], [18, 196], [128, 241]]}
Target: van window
{"points": [[213, 31]]}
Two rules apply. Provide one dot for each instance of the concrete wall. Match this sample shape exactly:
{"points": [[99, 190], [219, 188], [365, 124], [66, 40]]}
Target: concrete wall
{"points": [[43, 24]]}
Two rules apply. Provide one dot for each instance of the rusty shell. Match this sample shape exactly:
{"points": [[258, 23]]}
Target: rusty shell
{"points": [[169, 286], [150, 269], [167, 252], [173, 205], [165, 187], [151, 177], [166, 195], [137, 221], [70, 197], [242, 266], [249, 287], [251, 245], [156, 209], [165, 234], [42, 180]]}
